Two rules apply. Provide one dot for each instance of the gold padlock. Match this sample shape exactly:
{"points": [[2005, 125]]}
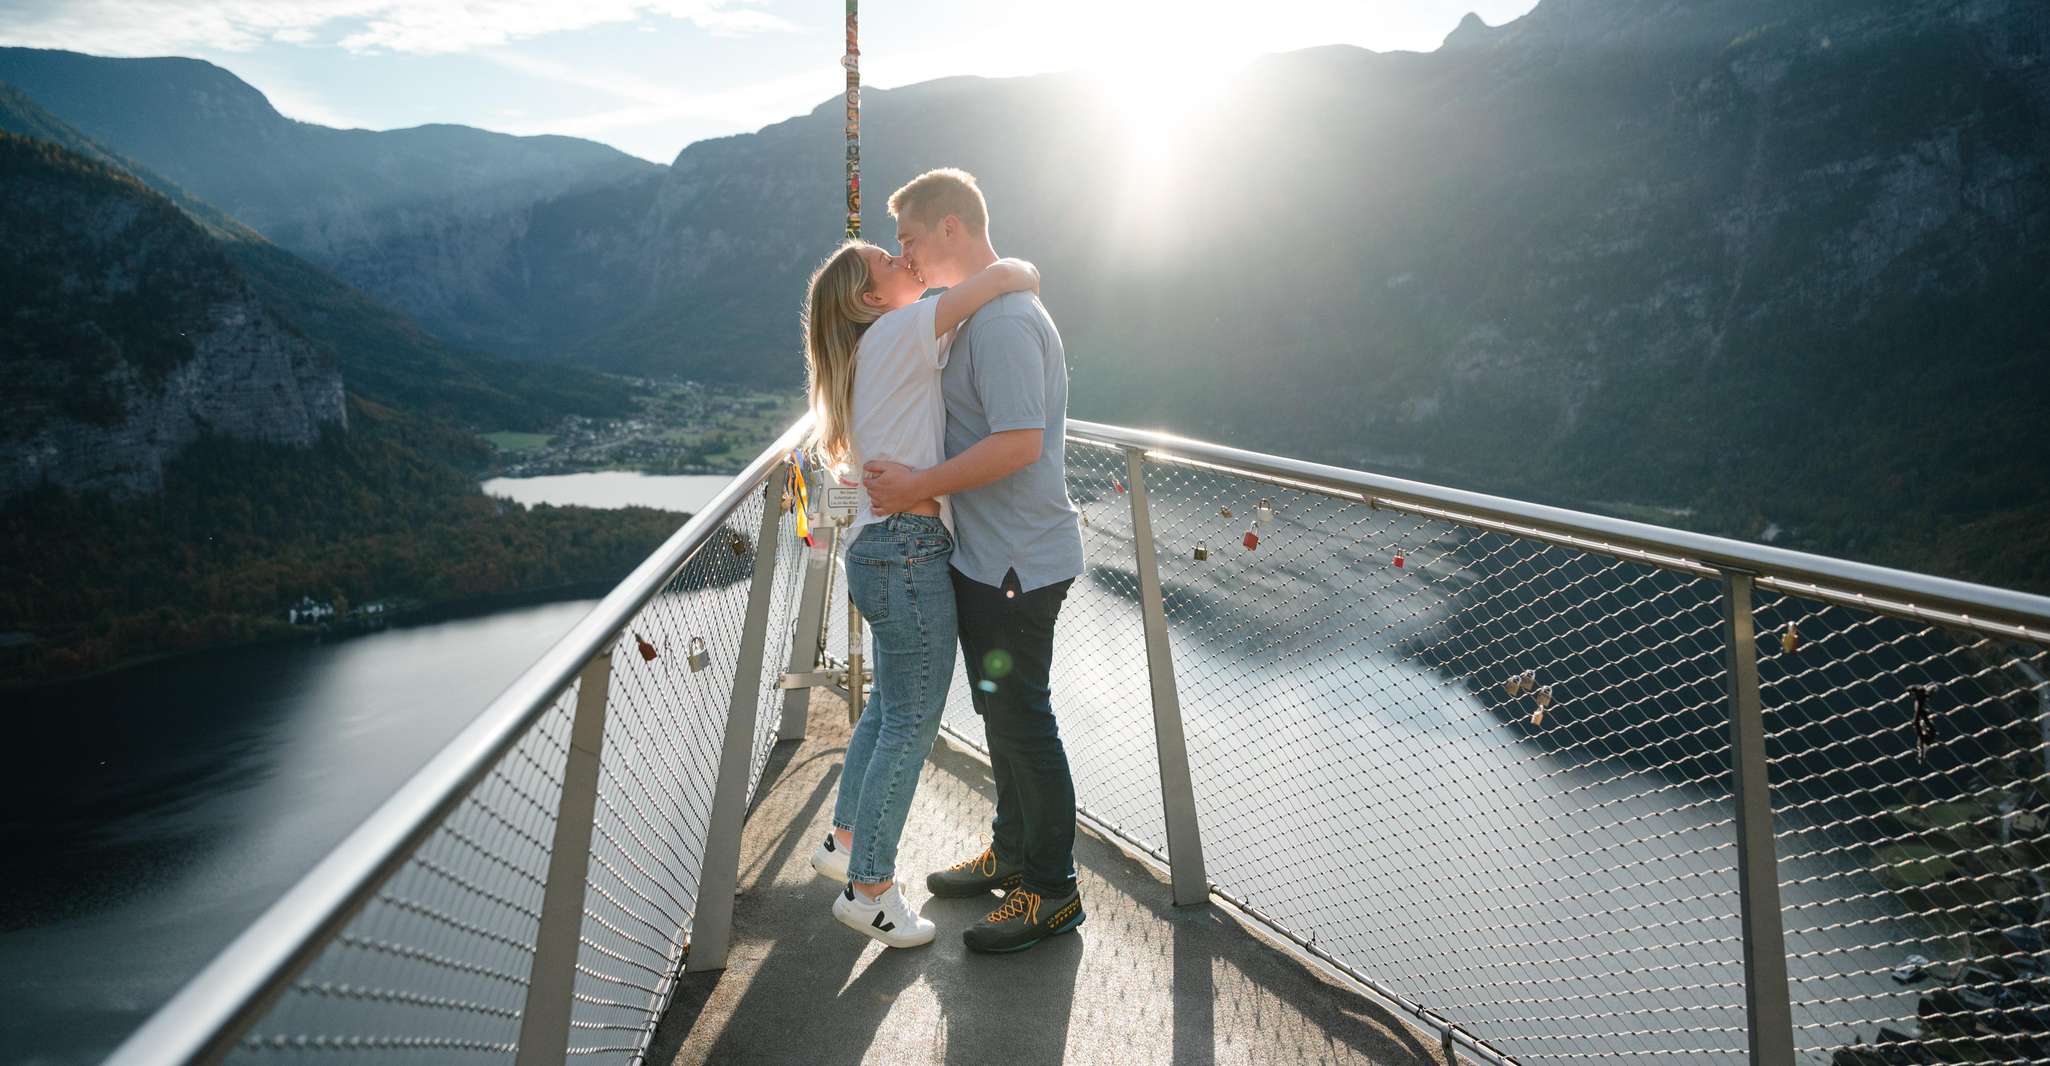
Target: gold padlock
{"points": [[698, 658], [1790, 640], [1202, 552]]}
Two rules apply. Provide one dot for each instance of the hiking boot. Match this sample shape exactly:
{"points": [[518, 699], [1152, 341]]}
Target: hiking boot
{"points": [[830, 860], [974, 877], [1024, 918], [887, 917]]}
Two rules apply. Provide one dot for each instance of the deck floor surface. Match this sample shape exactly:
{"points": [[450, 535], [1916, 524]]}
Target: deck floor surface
{"points": [[1142, 981]]}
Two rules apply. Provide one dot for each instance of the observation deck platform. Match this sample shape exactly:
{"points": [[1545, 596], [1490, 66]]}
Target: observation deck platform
{"points": [[1142, 981]]}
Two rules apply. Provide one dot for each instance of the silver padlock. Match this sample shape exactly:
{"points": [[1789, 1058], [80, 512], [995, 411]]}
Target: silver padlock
{"points": [[1202, 551], [1264, 512], [698, 658]]}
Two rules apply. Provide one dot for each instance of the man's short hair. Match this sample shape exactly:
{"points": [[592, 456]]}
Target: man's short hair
{"points": [[935, 194]]}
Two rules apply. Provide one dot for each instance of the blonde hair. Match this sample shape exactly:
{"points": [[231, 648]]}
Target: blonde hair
{"points": [[834, 320], [935, 194]]}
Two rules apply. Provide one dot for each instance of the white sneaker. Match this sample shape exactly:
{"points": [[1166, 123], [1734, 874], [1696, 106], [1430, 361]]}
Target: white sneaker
{"points": [[887, 917], [830, 860]]}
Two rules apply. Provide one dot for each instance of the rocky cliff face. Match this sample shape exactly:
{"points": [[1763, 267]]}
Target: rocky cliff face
{"points": [[128, 334], [248, 377]]}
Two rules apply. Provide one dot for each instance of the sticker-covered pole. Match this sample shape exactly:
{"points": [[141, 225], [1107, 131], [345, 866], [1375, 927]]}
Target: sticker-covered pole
{"points": [[852, 61]]}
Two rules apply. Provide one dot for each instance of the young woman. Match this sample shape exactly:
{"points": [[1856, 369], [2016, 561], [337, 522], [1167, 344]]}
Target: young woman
{"points": [[874, 350]]}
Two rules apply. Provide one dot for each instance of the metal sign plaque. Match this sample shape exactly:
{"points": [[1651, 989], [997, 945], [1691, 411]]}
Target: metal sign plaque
{"points": [[841, 502]]}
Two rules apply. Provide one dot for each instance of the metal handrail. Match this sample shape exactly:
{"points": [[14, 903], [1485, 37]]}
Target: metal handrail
{"points": [[205, 1018], [211, 1012], [1874, 588]]}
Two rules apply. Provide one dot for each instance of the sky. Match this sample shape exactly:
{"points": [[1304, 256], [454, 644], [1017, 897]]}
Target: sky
{"points": [[650, 76]]}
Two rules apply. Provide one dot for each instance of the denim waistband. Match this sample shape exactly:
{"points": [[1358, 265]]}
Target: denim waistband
{"points": [[904, 522]]}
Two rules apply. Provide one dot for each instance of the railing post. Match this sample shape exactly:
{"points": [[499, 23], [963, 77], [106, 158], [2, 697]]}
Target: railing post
{"points": [[855, 674], [712, 926], [809, 637], [1768, 1008], [552, 978], [1177, 789]]}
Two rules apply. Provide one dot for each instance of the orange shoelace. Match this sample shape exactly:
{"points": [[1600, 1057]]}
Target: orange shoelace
{"points": [[984, 864], [1018, 902]]}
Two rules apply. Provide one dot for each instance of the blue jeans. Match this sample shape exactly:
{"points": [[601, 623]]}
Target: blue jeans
{"points": [[897, 572]]}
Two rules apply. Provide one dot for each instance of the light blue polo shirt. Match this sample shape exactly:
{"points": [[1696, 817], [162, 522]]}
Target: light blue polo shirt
{"points": [[1007, 370]]}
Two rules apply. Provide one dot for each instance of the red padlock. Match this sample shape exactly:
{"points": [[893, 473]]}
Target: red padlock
{"points": [[1252, 540], [1118, 485], [1398, 560], [647, 649]]}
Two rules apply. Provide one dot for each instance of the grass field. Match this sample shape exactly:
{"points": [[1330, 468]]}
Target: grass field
{"points": [[506, 441]]}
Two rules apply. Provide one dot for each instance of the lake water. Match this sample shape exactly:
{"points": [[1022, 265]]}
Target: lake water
{"points": [[687, 493], [164, 807], [155, 812]]}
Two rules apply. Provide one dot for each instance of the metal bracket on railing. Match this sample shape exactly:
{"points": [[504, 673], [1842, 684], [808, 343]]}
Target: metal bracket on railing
{"points": [[1177, 789], [552, 976], [712, 924], [1767, 1004], [857, 677], [807, 641]]}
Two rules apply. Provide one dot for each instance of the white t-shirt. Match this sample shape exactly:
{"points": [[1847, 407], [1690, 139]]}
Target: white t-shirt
{"points": [[899, 412]]}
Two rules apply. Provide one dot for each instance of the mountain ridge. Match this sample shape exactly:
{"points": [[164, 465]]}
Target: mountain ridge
{"points": [[1777, 267]]}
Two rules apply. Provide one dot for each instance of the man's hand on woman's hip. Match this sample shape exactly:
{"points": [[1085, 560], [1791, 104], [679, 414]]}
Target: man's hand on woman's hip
{"points": [[892, 487]]}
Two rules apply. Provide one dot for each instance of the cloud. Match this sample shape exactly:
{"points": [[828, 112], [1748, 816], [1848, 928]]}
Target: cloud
{"points": [[417, 27], [293, 101], [645, 103]]}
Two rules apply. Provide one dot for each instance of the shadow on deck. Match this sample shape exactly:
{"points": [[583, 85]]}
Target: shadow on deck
{"points": [[1141, 982]]}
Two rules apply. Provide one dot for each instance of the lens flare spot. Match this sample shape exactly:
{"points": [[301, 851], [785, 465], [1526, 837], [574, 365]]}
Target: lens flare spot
{"points": [[996, 664]]}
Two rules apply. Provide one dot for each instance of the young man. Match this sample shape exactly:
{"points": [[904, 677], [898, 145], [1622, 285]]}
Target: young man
{"points": [[1018, 547]]}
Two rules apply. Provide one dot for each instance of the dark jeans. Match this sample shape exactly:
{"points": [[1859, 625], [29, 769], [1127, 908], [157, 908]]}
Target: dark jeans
{"points": [[1007, 643]]}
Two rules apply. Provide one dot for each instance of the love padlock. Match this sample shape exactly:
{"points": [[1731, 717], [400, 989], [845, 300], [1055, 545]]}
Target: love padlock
{"points": [[1202, 552], [698, 658], [739, 544], [1521, 683], [1790, 640], [1224, 512], [1399, 559], [1263, 513], [1252, 540], [647, 650]]}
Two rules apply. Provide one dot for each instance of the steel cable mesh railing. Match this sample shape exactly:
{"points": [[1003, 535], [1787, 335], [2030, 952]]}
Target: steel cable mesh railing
{"points": [[1910, 768], [1487, 771], [437, 962]]}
